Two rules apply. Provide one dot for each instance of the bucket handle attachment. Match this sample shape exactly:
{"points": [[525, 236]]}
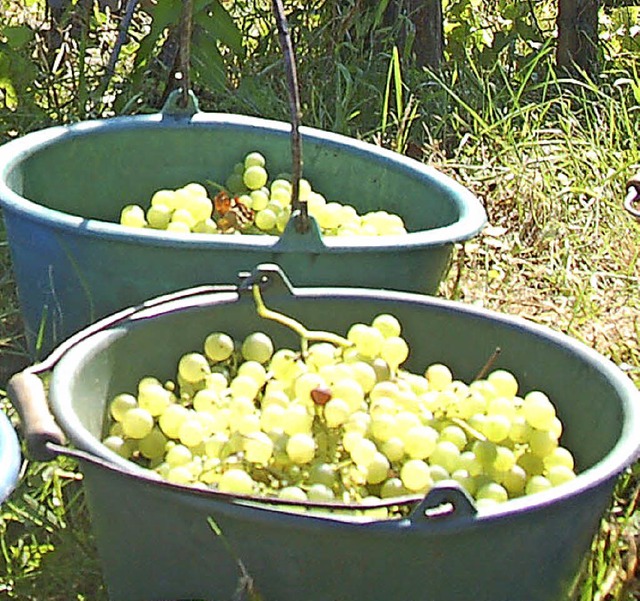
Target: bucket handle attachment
{"points": [[632, 199], [174, 107], [446, 500]]}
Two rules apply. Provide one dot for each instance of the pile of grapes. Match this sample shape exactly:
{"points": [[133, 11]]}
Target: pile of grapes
{"points": [[251, 204], [338, 421]]}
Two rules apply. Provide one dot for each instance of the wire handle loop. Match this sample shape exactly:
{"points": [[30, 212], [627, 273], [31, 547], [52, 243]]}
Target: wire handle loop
{"points": [[299, 208], [184, 56]]}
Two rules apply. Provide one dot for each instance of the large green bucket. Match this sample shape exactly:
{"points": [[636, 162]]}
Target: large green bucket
{"points": [[62, 189], [155, 540]]}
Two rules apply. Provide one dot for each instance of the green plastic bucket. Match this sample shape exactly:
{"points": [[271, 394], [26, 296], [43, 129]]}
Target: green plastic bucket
{"points": [[10, 457], [154, 538], [62, 189]]}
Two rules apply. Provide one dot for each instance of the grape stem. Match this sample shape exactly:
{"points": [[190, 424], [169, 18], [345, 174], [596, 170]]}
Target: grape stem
{"points": [[306, 335], [468, 429], [487, 366]]}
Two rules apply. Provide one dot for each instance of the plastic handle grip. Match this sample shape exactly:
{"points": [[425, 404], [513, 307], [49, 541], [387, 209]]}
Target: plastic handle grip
{"points": [[27, 394]]}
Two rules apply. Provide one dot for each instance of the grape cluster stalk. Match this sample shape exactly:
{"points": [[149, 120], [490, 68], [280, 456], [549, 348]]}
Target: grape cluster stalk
{"points": [[337, 421], [254, 205]]}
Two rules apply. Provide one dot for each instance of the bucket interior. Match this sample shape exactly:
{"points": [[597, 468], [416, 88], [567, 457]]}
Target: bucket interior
{"points": [[594, 400], [92, 170]]}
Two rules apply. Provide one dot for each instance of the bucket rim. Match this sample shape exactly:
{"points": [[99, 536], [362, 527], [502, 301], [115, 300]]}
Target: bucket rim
{"points": [[10, 457], [625, 451], [471, 214]]}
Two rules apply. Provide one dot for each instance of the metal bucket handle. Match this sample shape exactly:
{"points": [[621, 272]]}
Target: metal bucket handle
{"points": [[632, 199], [182, 103], [45, 439]]}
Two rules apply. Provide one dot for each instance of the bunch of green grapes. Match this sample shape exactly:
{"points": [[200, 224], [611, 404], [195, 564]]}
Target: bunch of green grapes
{"points": [[338, 423], [184, 210], [265, 207]]}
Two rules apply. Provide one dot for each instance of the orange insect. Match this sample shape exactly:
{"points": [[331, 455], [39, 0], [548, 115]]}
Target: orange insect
{"points": [[232, 214]]}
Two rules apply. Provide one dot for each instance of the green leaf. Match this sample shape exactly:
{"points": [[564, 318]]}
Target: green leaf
{"points": [[218, 23], [18, 36]]}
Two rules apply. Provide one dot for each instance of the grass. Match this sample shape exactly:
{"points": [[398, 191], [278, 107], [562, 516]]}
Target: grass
{"points": [[548, 156]]}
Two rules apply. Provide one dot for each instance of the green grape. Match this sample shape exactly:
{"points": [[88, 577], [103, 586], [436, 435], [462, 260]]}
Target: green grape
{"points": [[259, 199], [257, 347], [532, 464], [504, 382], [485, 452], [183, 216], [235, 183], [439, 376], [336, 412], [537, 484], [191, 432], [154, 398], [152, 446], [384, 427], [254, 158], [119, 445], [193, 367], [254, 177], [492, 491], [216, 445], [464, 479], [293, 493], [514, 480], [387, 324], [559, 456], [505, 459], [394, 351], [304, 189], [393, 487], [236, 481], [496, 427], [377, 470], [454, 434], [364, 374], [272, 417], [393, 448], [542, 443], [416, 476], [137, 423], [180, 474], [165, 198], [469, 462], [301, 448], [322, 473], [350, 391], [358, 421], [120, 404], [158, 216], [133, 216], [538, 410], [218, 346], [298, 420], [178, 454], [502, 405], [244, 386], [320, 493], [438, 472], [420, 441], [559, 474], [446, 455], [178, 227], [258, 448], [171, 419], [363, 451]]}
